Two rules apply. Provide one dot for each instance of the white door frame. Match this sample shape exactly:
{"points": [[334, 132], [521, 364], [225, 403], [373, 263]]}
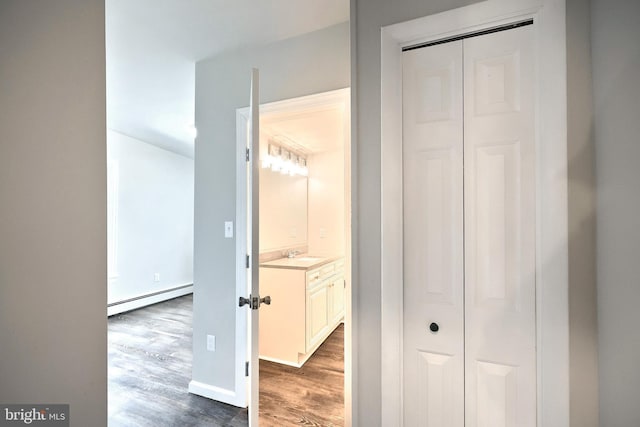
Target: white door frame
{"points": [[317, 101], [552, 309]]}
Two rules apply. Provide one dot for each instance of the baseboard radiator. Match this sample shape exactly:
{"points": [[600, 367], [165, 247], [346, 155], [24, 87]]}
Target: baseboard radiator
{"points": [[148, 299]]}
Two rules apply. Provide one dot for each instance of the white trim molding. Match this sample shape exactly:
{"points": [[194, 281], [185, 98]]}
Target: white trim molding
{"points": [[217, 393], [552, 310]]}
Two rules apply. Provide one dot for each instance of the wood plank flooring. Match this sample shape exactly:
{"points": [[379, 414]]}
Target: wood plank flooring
{"points": [[312, 395], [150, 356]]}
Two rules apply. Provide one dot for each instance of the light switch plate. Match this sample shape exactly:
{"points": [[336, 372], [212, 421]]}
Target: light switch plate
{"points": [[211, 342], [228, 229]]}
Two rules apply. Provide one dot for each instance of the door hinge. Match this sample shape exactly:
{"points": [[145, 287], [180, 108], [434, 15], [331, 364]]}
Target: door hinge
{"points": [[247, 261], [246, 369], [247, 154]]}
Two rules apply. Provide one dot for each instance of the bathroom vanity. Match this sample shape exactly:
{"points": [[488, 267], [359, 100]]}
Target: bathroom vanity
{"points": [[308, 304]]}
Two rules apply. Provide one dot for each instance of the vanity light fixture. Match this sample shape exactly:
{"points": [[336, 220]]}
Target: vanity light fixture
{"points": [[286, 162], [273, 159], [301, 167]]}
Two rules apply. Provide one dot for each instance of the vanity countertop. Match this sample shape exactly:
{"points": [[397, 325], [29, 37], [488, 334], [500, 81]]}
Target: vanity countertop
{"points": [[300, 262]]}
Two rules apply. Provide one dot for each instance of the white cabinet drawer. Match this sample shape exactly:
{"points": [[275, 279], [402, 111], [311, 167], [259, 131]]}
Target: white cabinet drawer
{"points": [[324, 272], [327, 270], [313, 278]]}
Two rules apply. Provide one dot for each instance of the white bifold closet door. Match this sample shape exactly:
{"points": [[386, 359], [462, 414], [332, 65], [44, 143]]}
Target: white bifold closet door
{"points": [[433, 236], [469, 229]]}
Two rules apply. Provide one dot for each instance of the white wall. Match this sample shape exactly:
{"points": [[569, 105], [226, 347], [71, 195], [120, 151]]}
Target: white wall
{"points": [[616, 83], [154, 218], [326, 203], [53, 261], [583, 337], [312, 63]]}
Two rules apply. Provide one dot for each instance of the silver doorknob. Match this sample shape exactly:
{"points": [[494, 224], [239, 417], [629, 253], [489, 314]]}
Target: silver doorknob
{"points": [[254, 302]]}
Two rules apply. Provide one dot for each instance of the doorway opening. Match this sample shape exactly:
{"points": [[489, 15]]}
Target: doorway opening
{"points": [[304, 256]]}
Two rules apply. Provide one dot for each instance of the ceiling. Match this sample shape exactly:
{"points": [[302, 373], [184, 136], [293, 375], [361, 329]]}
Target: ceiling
{"points": [[152, 47], [308, 133]]}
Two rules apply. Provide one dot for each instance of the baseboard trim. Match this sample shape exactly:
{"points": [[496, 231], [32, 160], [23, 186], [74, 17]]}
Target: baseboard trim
{"points": [[281, 361], [148, 299], [216, 393]]}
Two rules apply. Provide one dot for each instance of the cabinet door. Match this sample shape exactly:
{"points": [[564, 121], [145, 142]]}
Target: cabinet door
{"points": [[317, 321], [336, 300]]}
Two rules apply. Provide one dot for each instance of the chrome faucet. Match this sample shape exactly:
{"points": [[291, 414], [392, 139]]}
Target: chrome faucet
{"points": [[292, 254]]}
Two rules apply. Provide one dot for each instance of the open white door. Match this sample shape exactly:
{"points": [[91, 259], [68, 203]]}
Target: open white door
{"points": [[253, 229], [250, 250]]}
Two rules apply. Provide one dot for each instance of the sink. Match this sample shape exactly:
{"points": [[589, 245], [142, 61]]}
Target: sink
{"points": [[307, 258]]}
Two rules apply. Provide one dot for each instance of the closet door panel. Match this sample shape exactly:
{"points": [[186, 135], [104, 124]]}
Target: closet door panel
{"points": [[499, 200], [433, 241]]}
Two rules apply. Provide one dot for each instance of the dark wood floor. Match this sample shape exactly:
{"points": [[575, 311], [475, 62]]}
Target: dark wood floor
{"points": [[150, 355], [312, 395]]}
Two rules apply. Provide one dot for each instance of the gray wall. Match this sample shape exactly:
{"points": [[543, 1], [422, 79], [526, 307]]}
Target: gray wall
{"points": [[370, 15], [583, 337], [616, 84], [154, 232], [304, 65], [53, 264]]}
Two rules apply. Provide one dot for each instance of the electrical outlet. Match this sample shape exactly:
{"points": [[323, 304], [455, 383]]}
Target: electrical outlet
{"points": [[293, 232], [211, 342], [323, 233], [156, 277]]}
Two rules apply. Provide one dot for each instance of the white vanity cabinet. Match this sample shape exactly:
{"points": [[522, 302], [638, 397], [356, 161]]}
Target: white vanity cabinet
{"points": [[325, 302], [307, 305]]}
